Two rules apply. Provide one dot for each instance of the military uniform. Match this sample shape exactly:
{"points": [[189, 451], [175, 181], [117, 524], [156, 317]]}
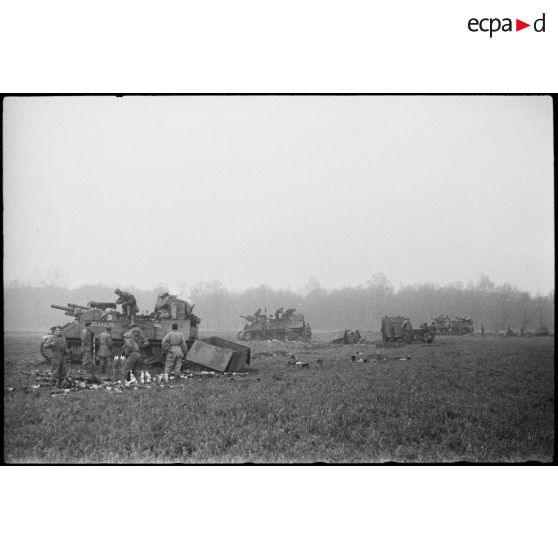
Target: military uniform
{"points": [[141, 341], [58, 372], [175, 346], [87, 339], [133, 357], [139, 337], [162, 305], [105, 351], [129, 304]]}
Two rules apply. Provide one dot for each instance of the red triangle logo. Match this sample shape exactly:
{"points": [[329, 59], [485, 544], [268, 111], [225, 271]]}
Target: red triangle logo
{"points": [[519, 25]]}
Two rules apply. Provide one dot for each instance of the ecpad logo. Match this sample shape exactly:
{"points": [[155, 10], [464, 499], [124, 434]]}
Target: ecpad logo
{"points": [[492, 25]]}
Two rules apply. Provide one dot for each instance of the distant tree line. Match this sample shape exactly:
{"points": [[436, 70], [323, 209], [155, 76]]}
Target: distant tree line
{"points": [[27, 307]]}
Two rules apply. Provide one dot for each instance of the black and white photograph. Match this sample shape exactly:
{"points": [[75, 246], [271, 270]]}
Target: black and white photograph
{"points": [[278, 279]]}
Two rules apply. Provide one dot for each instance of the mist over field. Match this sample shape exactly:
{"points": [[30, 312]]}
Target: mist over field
{"points": [[272, 190], [246, 202], [27, 307]]}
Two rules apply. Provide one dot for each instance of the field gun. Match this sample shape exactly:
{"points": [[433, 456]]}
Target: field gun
{"points": [[71, 309], [68, 310], [79, 306], [65, 308], [102, 305]]}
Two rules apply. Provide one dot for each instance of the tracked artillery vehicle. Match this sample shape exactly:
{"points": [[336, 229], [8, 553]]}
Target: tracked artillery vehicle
{"points": [[288, 326], [540, 332], [399, 329], [168, 310], [462, 325]]}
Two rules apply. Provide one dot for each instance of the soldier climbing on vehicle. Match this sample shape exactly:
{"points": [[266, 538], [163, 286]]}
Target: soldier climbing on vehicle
{"points": [[129, 304]]}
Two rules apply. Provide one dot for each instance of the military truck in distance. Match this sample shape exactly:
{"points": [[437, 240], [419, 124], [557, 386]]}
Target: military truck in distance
{"points": [[288, 326], [540, 332], [462, 325], [399, 328], [169, 310]]}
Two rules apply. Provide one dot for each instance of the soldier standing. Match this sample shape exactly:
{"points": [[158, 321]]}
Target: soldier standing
{"points": [[482, 330], [105, 349], [129, 304], [175, 346], [133, 357], [50, 336], [87, 339], [141, 341], [59, 350], [45, 342]]}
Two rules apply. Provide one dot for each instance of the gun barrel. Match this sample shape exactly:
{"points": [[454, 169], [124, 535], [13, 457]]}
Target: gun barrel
{"points": [[65, 308], [78, 306]]}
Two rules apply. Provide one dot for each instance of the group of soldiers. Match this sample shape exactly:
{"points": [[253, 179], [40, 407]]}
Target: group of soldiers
{"points": [[102, 345]]}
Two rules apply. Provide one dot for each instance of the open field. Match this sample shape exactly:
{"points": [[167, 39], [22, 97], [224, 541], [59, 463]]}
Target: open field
{"points": [[460, 399]]}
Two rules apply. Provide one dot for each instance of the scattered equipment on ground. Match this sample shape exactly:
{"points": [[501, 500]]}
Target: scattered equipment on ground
{"points": [[218, 354]]}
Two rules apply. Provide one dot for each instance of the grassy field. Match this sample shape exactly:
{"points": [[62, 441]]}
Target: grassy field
{"points": [[460, 399]]}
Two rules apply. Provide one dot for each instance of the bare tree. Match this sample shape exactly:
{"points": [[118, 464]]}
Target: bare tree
{"points": [[55, 277], [525, 309]]}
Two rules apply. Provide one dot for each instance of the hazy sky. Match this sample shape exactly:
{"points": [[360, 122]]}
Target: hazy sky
{"points": [[251, 190]]}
